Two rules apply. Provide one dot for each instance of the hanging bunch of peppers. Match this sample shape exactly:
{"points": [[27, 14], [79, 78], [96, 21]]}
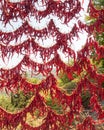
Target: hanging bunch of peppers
{"points": [[10, 78]]}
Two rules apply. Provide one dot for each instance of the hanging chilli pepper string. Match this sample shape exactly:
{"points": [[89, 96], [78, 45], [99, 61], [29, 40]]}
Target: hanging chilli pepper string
{"points": [[31, 45], [28, 30], [84, 62], [81, 64], [25, 7]]}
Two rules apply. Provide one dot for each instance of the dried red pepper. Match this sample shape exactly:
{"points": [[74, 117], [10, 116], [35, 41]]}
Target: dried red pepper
{"points": [[10, 78]]}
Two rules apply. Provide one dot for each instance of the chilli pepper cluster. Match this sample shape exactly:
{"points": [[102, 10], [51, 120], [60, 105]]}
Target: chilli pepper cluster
{"points": [[11, 78]]}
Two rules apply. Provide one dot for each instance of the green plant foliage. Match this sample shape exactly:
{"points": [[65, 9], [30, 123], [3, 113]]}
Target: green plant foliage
{"points": [[86, 99], [89, 20], [103, 84], [20, 99], [98, 2], [100, 38], [70, 86], [54, 105], [33, 80], [63, 79], [5, 102]]}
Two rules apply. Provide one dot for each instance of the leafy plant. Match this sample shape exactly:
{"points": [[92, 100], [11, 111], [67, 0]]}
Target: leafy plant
{"points": [[20, 99]]}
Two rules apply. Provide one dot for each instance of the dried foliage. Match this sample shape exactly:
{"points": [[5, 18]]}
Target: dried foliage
{"points": [[11, 78]]}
